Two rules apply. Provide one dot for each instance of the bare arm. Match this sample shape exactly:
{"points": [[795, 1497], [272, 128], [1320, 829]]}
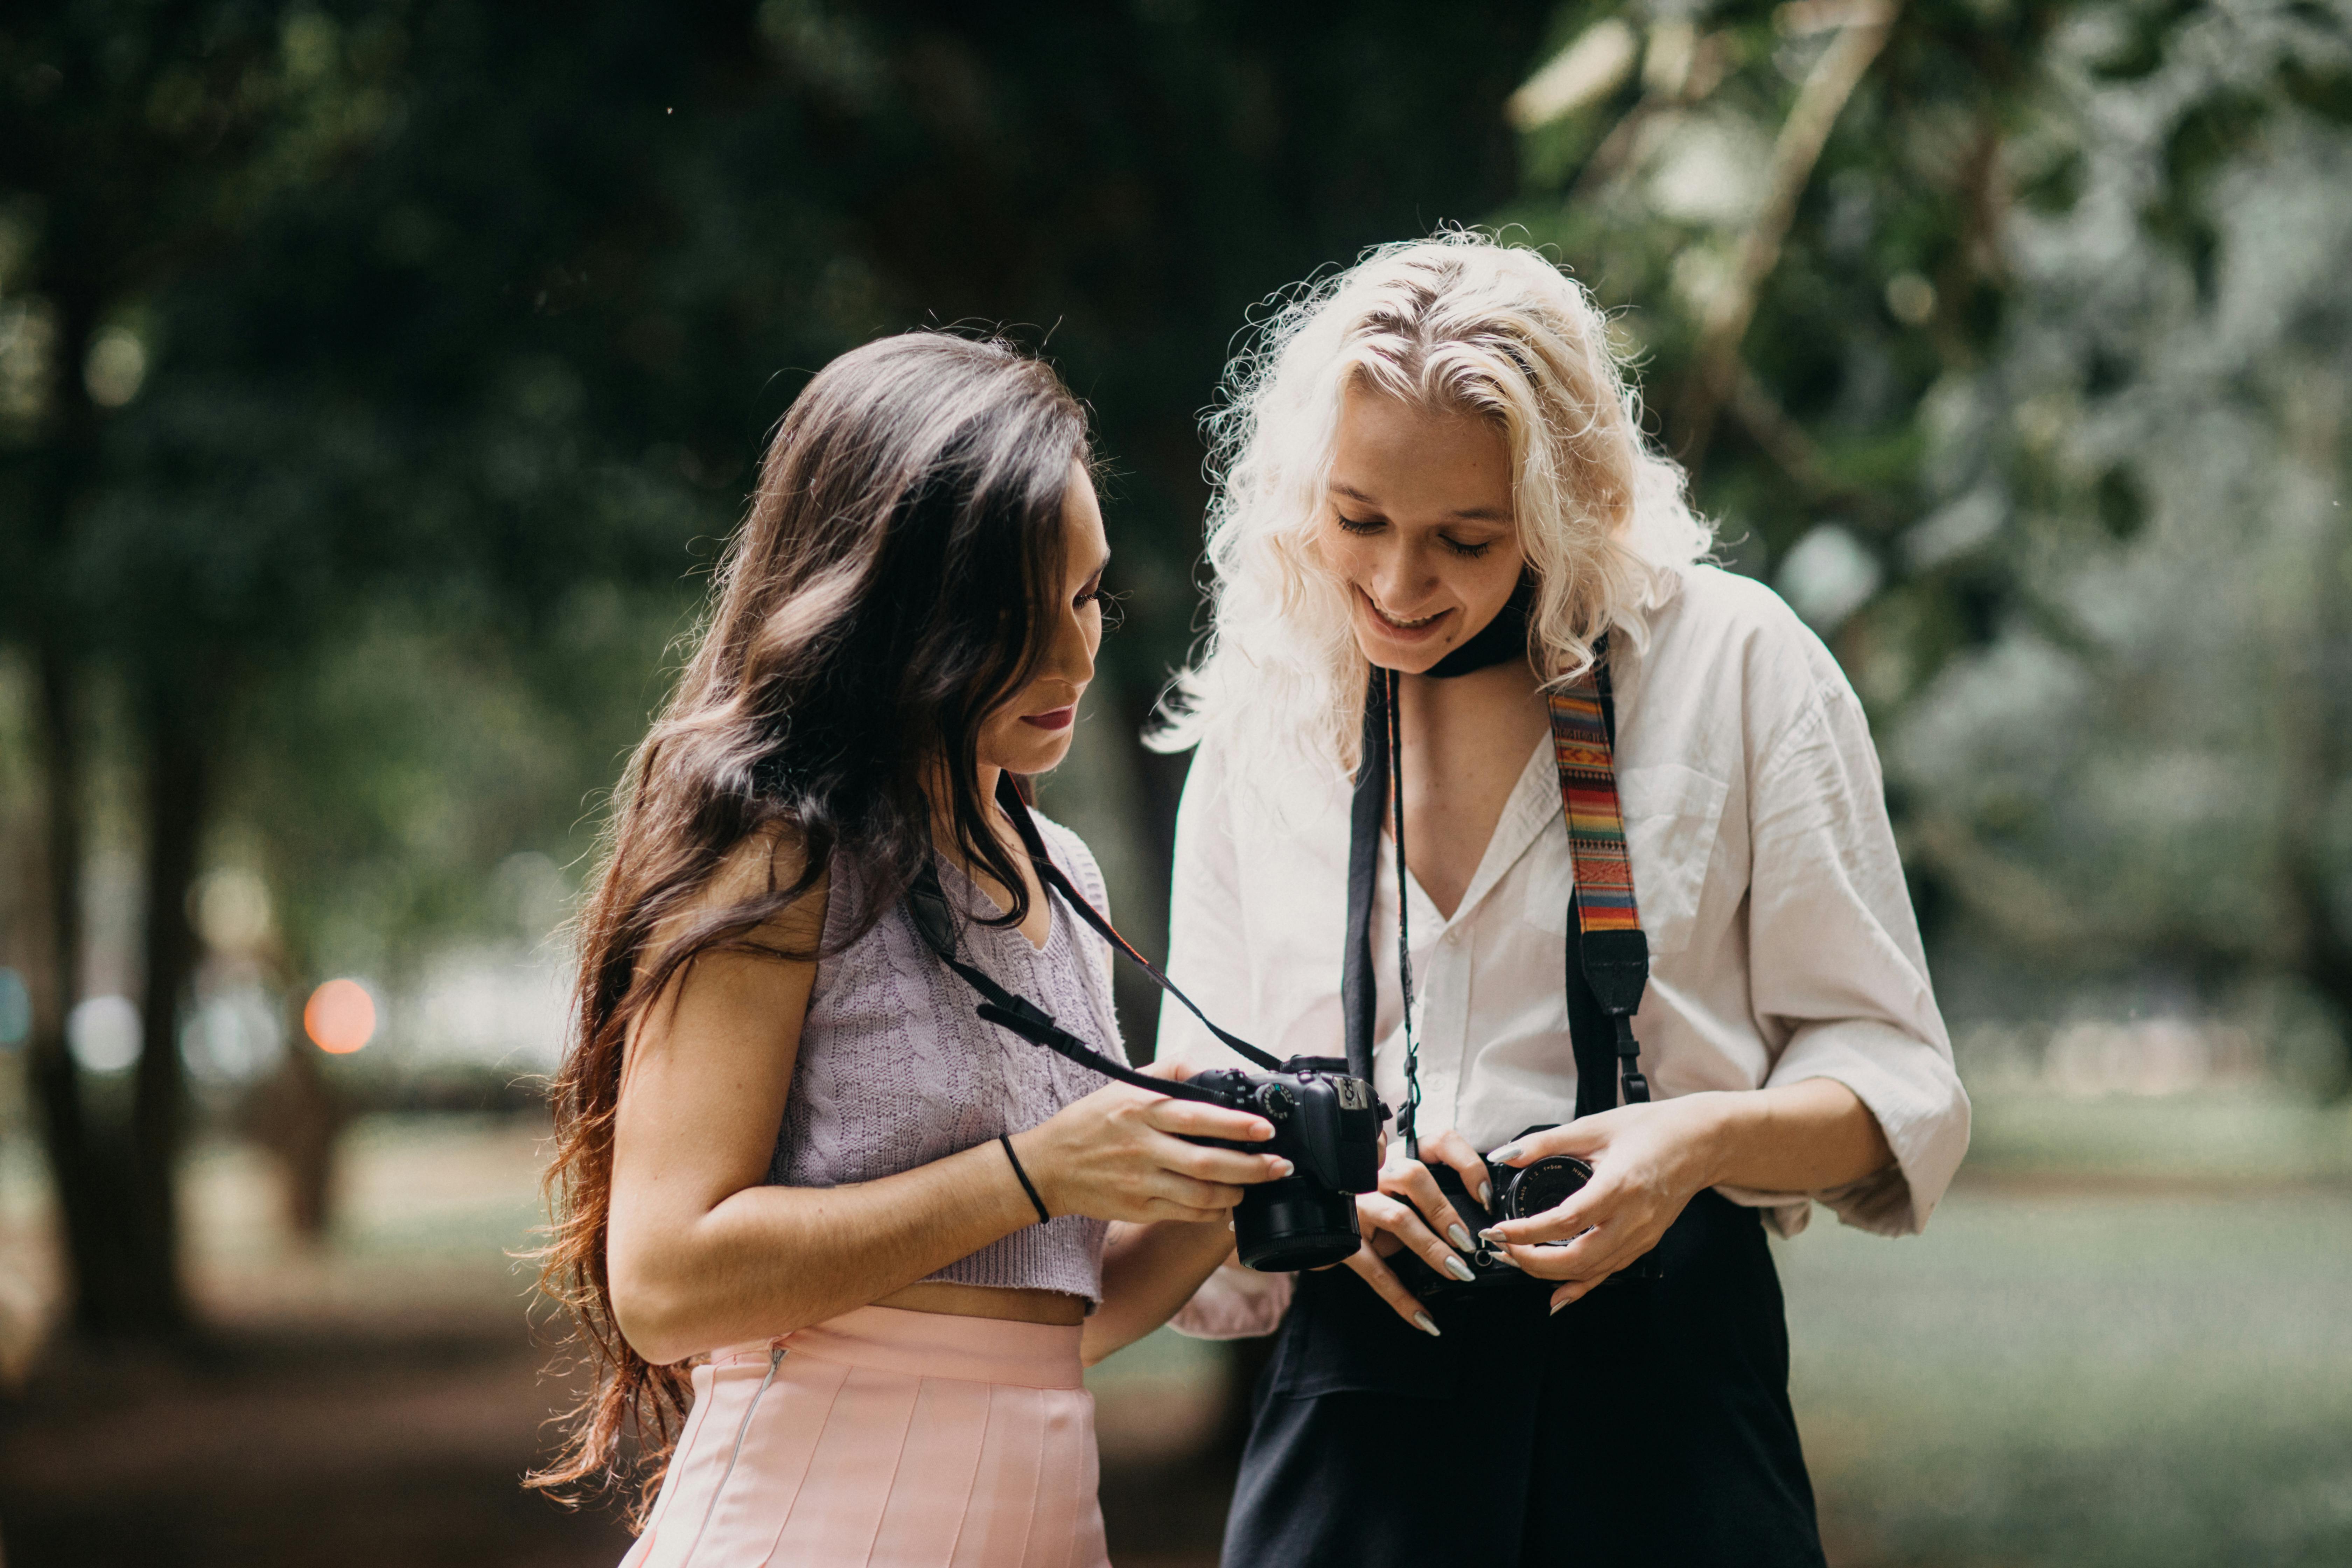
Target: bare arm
{"points": [[1803, 1137], [1649, 1160], [1149, 1271], [703, 1253]]}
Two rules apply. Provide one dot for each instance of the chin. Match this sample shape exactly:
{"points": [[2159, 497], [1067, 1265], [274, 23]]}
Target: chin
{"points": [[1042, 755], [1409, 660]]}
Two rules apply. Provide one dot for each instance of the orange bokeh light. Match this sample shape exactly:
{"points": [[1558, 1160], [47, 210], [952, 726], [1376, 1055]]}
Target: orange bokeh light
{"points": [[340, 1017]]}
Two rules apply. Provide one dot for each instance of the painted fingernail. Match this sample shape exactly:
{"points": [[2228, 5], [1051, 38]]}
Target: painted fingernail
{"points": [[1459, 1270], [1282, 1167], [1421, 1321], [1486, 1194], [1556, 1306], [1492, 1233], [1458, 1237], [1506, 1154]]}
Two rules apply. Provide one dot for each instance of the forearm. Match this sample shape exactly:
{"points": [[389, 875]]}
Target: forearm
{"points": [[1803, 1137], [1149, 1271], [767, 1260]]}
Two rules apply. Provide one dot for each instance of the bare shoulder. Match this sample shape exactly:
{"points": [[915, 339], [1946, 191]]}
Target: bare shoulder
{"points": [[755, 872]]}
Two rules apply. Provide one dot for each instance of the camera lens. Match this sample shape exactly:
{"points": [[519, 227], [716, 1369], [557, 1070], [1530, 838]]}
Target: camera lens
{"points": [[1545, 1185]]}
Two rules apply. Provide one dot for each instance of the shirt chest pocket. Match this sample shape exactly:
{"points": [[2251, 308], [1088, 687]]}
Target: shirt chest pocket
{"points": [[1672, 816]]}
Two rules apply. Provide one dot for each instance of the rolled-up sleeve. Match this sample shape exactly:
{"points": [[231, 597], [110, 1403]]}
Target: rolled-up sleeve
{"points": [[1838, 973]]}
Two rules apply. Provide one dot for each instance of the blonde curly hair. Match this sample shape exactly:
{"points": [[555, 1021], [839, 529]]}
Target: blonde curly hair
{"points": [[1459, 323]]}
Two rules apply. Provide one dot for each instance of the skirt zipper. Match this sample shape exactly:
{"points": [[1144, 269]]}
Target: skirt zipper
{"points": [[775, 1359]]}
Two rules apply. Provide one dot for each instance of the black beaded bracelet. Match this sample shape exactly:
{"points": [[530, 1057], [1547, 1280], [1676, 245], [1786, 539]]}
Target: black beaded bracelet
{"points": [[1026, 1184]]}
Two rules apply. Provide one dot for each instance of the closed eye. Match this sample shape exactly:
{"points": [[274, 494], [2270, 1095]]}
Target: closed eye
{"points": [[1106, 603]]}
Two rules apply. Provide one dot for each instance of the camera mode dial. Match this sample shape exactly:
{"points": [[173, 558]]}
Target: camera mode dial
{"points": [[1273, 1102]]}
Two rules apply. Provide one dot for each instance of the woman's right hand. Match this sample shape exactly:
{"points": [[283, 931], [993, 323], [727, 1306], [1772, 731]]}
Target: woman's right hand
{"points": [[1392, 1220], [1121, 1154]]}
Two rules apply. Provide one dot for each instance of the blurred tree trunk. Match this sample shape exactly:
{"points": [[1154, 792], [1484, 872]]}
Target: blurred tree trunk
{"points": [[92, 1192], [87, 1197], [177, 717], [116, 1189]]}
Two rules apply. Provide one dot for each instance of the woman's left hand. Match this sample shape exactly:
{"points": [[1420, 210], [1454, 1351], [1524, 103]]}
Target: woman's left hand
{"points": [[1648, 1161]]}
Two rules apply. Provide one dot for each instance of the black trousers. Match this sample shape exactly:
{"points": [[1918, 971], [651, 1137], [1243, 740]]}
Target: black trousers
{"points": [[1648, 1423]]}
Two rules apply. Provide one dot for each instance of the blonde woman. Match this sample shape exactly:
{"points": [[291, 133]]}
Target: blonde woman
{"points": [[1432, 464]]}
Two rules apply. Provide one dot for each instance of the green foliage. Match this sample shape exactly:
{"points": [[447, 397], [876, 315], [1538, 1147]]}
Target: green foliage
{"points": [[451, 318], [2059, 334]]}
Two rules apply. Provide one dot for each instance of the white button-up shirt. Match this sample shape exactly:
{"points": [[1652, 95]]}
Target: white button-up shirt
{"points": [[1782, 943]]}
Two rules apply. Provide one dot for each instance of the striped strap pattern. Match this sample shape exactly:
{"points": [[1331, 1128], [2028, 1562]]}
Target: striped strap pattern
{"points": [[1587, 798]]}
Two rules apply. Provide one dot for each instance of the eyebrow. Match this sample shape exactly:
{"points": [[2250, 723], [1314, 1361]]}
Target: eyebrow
{"points": [[1466, 514]]}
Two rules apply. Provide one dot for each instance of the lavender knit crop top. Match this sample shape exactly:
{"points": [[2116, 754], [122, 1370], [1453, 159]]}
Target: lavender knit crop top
{"points": [[896, 1070]]}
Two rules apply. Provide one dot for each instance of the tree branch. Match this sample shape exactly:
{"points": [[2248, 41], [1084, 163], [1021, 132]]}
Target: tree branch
{"points": [[1795, 153]]}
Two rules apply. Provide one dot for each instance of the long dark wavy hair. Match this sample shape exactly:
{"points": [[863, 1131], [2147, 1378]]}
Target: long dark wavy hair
{"points": [[882, 599]]}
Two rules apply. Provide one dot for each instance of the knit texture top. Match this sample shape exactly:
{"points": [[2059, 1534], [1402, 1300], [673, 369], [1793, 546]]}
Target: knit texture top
{"points": [[897, 1070]]}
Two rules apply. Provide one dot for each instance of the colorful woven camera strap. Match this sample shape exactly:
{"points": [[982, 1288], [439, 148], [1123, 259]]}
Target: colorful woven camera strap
{"points": [[1607, 950], [1615, 954]]}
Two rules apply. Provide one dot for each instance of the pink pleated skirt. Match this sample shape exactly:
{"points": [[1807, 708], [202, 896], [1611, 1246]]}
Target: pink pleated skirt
{"points": [[887, 1438]]}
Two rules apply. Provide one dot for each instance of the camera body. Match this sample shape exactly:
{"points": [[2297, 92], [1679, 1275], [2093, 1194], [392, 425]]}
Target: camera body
{"points": [[1327, 1123], [1521, 1192]]}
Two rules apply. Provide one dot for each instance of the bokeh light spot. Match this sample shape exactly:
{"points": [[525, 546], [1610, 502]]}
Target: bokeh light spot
{"points": [[340, 1017]]}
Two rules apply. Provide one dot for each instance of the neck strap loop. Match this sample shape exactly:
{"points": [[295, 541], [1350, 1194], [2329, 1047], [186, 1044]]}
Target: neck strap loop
{"points": [[1608, 960], [934, 918]]}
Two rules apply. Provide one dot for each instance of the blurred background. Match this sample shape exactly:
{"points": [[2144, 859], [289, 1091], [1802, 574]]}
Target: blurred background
{"points": [[380, 378]]}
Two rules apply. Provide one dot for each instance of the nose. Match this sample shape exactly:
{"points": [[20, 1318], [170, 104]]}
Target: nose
{"points": [[1400, 576], [1072, 656]]}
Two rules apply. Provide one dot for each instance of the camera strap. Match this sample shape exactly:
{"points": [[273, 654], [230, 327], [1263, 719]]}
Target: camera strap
{"points": [[1610, 953], [934, 918], [1608, 959]]}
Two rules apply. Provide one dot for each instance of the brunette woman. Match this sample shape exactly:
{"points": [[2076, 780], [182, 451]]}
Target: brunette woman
{"points": [[856, 1241], [1435, 474]]}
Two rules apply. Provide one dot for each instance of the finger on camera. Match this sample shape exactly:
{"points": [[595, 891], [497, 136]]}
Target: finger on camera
{"points": [[1192, 1119], [1583, 1138], [1450, 1148], [1407, 1227], [1579, 1213], [1198, 1194], [1588, 1256], [1228, 1166], [1417, 1186], [1390, 1288]]}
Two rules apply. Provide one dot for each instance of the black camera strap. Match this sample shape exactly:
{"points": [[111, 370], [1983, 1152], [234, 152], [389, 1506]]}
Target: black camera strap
{"points": [[934, 919], [1607, 961]]}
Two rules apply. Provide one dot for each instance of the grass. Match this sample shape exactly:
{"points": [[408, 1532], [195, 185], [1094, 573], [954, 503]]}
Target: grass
{"points": [[2063, 1373]]}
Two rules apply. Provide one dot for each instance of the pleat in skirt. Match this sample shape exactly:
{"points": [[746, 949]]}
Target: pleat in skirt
{"points": [[886, 1438]]}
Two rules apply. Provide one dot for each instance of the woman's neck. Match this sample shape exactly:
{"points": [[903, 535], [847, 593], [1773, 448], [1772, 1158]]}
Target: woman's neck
{"points": [[1466, 740], [1498, 689]]}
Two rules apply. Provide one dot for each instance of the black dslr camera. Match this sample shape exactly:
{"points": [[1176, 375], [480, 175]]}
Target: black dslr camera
{"points": [[1521, 1192], [1327, 1123]]}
